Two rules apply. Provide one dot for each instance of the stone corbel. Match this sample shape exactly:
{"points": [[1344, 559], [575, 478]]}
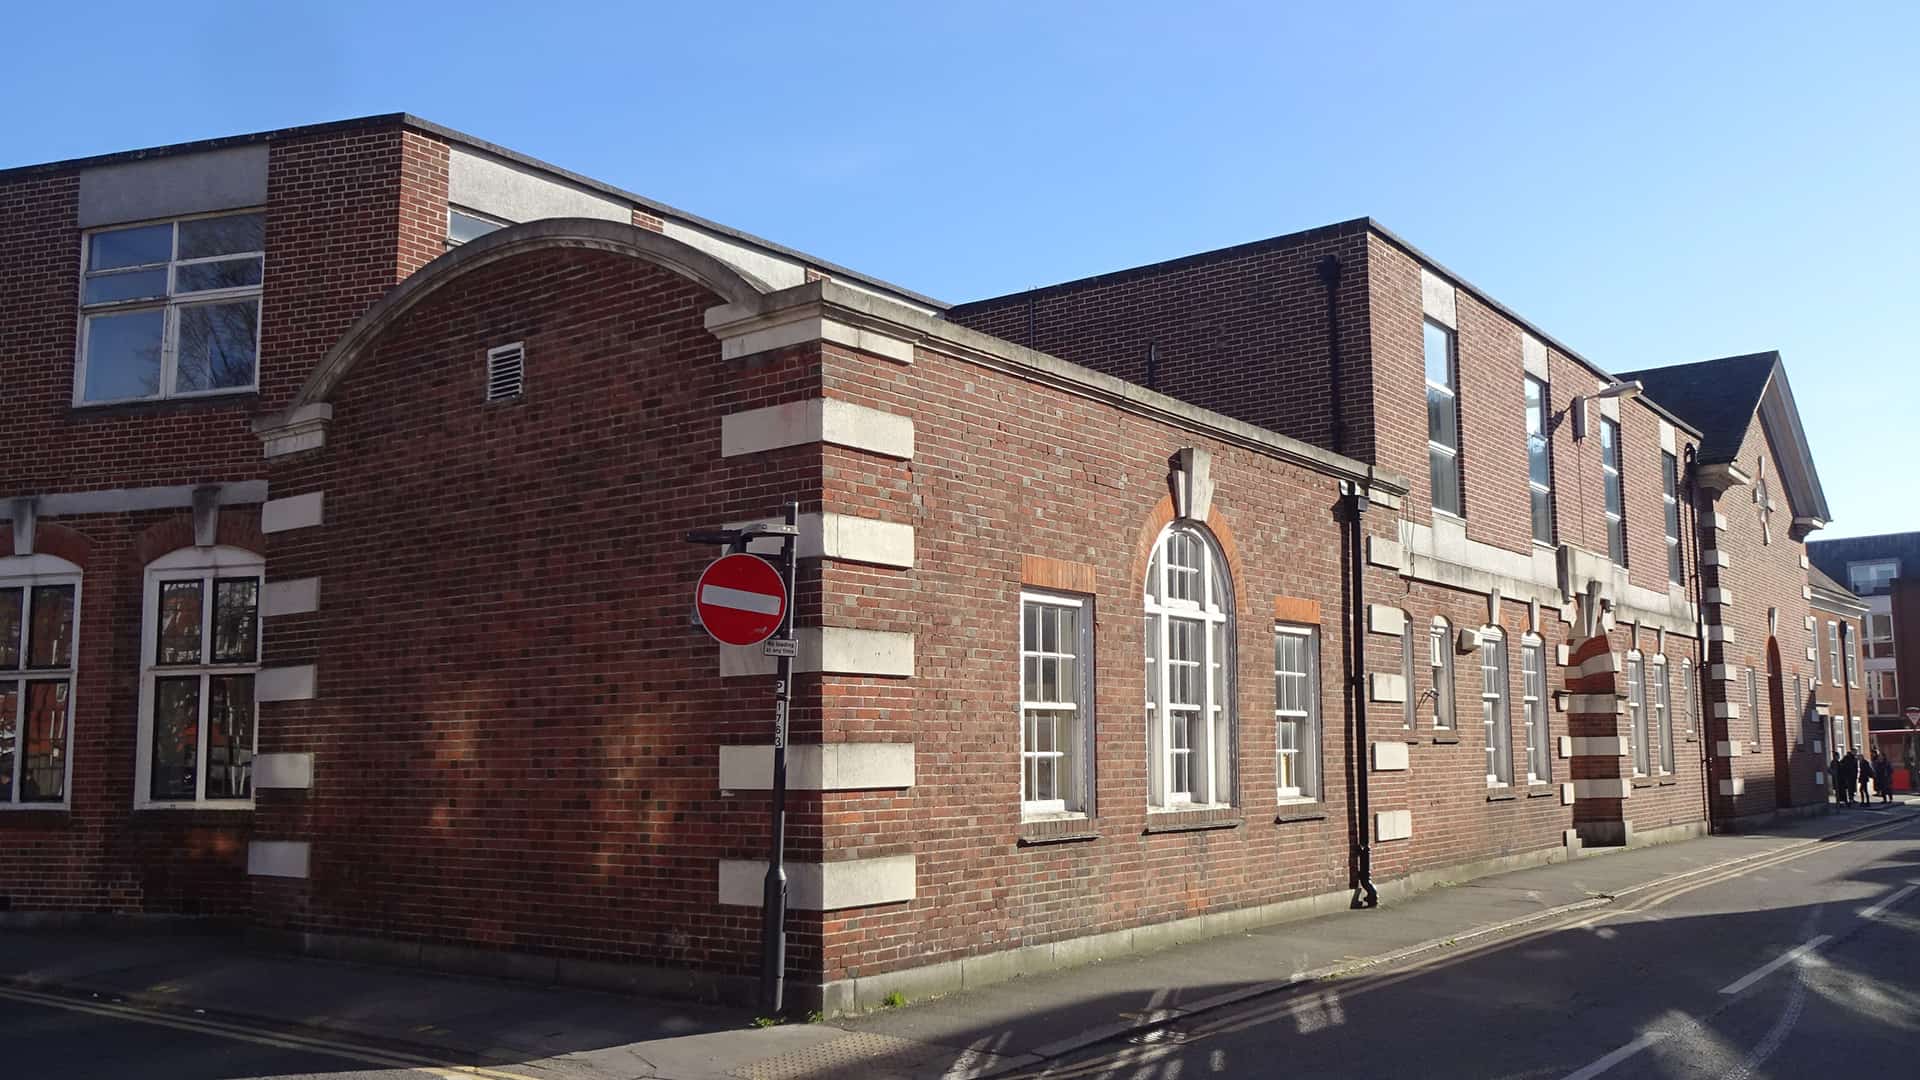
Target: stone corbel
{"points": [[1190, 477], [26, 517], [206, 515]]}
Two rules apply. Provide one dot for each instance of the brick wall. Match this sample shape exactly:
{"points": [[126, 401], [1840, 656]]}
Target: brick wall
{"points": [[516, 729], [1765, 575], [1843, 699], [1242, 331]]}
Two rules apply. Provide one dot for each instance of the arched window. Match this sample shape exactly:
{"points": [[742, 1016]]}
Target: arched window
{"points": [[1440, 673], [199, 653], [1660, 695], [1533, 699], [39, 624], [1190, 690], [1637, 713], [1493, 707]]}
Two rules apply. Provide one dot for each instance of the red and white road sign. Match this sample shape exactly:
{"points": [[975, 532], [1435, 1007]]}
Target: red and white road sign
{"points": [[741, 599]]}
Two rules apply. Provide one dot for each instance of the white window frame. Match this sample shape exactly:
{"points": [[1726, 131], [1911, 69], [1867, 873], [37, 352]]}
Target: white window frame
{"points": [[1637, 713], [1660, 697], [1670, 516], [1495, 718], [170, 306], [205, 564], [1073, 754], [454, 208], [1533, 704], [1874, 587], [1875, 639], [1887, 705], [1610, 475], [1534, 487], [1753, 704], [1440, 673], [1308, 783], [1452, 390], [1835, 675], [1852, 659], [1211, 772], [26, 572], [1687, 697]]}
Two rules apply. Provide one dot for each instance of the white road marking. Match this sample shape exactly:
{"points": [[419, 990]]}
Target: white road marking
{"points": [[739, 599], [1617, 1056], [1775, 964], [1874, 911]]}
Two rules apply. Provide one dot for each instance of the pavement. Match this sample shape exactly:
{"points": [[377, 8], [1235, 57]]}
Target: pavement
{"points": [[323, 1017]]}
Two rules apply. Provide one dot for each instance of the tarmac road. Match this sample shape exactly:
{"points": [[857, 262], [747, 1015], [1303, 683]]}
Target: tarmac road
{"points": [[1807, 966]]}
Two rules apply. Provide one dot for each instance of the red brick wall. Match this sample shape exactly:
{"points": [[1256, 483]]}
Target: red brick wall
{"points": [[1242, 332], [1762, 576], [516, 725]]}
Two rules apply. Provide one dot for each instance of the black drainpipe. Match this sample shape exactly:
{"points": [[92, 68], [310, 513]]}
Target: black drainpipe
{"points": [[1330, 277], [1357, 635]]}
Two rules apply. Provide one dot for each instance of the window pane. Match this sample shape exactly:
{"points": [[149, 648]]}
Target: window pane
{"points": [[1614, 506], [225, 274], [1439, 348], [1536, 409], [236, 622], [1444, 474], [1674, 569], [464, 227], [10, 601], [230, 737], [50, 638], [130, 247], [9, 709], [176, 738], [1442, 424], [179, 623], [216, 348], [222, 236], [1537, 469], [123, 355], [125, 285], [1543, 517], [1617, 541], [43, 771]]}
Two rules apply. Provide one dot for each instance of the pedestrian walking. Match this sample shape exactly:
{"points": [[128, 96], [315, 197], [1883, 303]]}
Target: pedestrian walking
{"points": [[1849, 772], [1883, 776], [1833, 778], [1866, 781]]}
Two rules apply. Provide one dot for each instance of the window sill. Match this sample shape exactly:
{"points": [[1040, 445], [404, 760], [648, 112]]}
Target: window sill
{"points": [[1303, 810], [1644, 781], [1669, 780], [1541, 791], [1212, 817], [1056, 829], [106, 410], [1446, 740], [1501, 795]]}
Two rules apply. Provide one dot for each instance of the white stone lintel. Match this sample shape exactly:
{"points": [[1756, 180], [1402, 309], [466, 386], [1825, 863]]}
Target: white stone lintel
{"points": [[1607, 746], [1609, 788], [1392, 825], [819, 767], [1390, 755], [291, 596], [278, 858], [292, 772], [1386, 619], [816, 420], [292, 683], [1387, 687], [815, 886], [292, 512]]}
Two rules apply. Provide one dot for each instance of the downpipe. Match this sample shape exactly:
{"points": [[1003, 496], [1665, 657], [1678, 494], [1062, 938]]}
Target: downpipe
{"points": [[1356, 501]]}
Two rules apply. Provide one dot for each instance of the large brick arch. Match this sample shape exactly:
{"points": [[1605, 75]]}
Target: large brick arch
{"points": [[236, 529], [723, 279], [50, 539]]}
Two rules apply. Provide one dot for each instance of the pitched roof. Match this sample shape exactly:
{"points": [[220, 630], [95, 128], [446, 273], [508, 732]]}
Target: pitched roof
{"points": [[1717, 396], [1831, 594], [1722, 397]]}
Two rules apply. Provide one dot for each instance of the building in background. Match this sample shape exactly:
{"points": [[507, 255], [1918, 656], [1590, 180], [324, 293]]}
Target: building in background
{"points": [[1838, 691], [1884, 571]]}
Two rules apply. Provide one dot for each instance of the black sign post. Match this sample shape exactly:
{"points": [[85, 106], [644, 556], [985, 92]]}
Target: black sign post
{"points": [[784, 647]]}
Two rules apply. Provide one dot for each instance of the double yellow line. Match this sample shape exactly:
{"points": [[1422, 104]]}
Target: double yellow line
{"points": [[367, 1055], [1310, 997]]}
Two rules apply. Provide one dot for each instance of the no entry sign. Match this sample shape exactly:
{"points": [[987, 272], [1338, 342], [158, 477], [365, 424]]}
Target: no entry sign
{"points": [[741, 599]]}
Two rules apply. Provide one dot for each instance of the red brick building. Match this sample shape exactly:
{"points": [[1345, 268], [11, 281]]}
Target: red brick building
{"points": [[1839, 695], [1880, 571], [347, 595]]}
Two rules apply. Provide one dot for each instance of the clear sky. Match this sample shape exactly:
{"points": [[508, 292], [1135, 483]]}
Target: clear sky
{"points": [[1651, 184]]}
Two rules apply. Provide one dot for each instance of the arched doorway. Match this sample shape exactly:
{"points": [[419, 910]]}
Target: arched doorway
{"points": [[1777, 703]]}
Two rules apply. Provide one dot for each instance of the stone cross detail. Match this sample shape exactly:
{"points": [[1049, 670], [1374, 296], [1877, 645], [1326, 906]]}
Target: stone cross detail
{"points": [[1763, 502]]}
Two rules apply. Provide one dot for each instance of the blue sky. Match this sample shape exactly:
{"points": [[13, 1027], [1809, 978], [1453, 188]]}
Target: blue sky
{"points": [[1651, 184]]}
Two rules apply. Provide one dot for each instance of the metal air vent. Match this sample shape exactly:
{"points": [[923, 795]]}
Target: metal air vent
{"points": [[506, 371]]}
